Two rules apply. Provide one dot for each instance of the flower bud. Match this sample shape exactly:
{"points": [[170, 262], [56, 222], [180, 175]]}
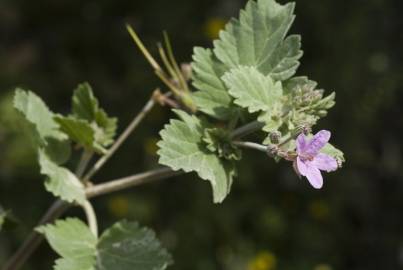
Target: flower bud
{"points": [[275, 137]]}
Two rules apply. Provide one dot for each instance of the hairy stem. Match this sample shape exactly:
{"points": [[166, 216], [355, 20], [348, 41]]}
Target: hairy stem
{"points": [[91, 217], [246, 129], [130, 128], [251, 145], [83, 163]]}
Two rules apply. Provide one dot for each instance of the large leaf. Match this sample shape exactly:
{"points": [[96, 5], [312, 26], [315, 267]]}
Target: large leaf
{"points": [[212, 97], [182, 148], [124, 246], [74, 242], [127, 246], [50, 137], [85, 106], [253, 90], [61, 182], [257, 39]]}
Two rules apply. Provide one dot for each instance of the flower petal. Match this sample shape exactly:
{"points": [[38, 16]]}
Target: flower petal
{"points": [[301, 143], [319, 140], [308, 169], [325, 162]]}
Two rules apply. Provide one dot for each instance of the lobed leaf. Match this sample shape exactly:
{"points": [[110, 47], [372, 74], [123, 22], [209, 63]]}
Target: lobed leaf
{"points": [[182, 148]]}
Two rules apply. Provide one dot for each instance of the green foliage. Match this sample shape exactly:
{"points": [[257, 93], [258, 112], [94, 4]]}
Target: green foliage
{"points": [[218, 140], [253, 90], [47, 131], [332, 151], [182, 147], [85, 106], [257, 39], [73, 241], [213, 98], [123, 246], [127, 246], [61, 182]]}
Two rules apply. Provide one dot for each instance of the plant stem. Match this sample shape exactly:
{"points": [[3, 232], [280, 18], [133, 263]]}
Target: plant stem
{"points": [[83, 163], [246, 129], [130, 181], [251, 145], [130, 128], [91, 217]]}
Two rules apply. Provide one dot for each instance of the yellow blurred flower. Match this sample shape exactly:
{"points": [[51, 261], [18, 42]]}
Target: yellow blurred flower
{"points": [[264, 260], [150, 146], [213, 26], [118, 206], [319, 210], [323, 267]]}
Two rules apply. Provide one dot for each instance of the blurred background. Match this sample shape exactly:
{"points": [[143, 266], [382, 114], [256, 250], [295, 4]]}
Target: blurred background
{"points": [[271, 220]]}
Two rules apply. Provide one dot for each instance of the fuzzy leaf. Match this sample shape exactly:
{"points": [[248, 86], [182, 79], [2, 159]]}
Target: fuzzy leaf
{"points": [[74, 242], [332, 151], [127, 246], [61, 182], [55, 142], [253, 90], [124, 246], [212, 97], [182, 148], [36, 112], [85, 106], [257, 39], [80, 131]]}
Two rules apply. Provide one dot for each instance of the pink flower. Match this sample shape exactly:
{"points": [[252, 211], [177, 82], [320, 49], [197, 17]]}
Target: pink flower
{"points": [[310, 161]]}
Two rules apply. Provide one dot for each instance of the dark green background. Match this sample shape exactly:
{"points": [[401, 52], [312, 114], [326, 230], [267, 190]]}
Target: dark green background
{"points": [[352, 47]]}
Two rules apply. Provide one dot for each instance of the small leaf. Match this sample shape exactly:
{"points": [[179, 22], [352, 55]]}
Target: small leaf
{"points": [[73, 241], [257, 40], [182, 148], [332, 151], [61, 182], [85, 106], [80, 131], [212, 97], [126, 246], [252, 90]]}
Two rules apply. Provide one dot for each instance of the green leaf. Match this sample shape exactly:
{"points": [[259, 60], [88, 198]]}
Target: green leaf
{"points": [[85, 106], [80, 131], [55, 142], [124, 246], [74, 242], [332, 151], [257, 39], [253, 90], [182, 148], [212, 97], [36, 112], [61, 182], [127, 246]]}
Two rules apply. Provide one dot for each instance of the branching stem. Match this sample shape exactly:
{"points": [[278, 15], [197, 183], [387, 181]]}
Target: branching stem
{"points": [[91, 217]]}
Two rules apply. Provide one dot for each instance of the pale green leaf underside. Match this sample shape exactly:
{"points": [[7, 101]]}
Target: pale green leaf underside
{"points": [[73, 241], [61, 182], [36, 112], [124, 246], [212, 97], [253, 90], [257, 39], [181, 148]]}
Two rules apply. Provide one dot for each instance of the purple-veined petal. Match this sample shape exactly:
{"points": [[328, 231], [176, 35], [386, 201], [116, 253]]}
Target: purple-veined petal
{"points": [[301, 143], [308, 169], [325, 162], [319, 140]]}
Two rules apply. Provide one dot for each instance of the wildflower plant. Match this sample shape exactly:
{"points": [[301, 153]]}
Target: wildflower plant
{"points": [[244, 84]]}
